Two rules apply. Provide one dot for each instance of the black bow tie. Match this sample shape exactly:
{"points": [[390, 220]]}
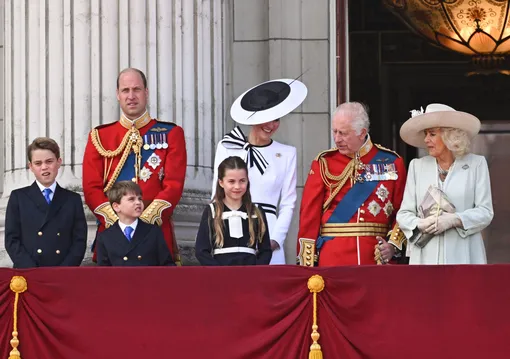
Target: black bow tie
{"points": [[237, 140]]}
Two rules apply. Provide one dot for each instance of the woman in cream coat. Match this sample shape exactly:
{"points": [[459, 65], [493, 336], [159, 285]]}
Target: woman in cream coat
{"points": [[462, 176], [272, 166]]}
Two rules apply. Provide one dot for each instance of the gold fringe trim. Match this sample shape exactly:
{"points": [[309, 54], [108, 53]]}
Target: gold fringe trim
{"points": [[132, 141], [18, 285], [315, 285]]}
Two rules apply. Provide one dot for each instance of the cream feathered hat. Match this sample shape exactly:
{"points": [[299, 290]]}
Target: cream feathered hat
{"points": [[436, 115]]}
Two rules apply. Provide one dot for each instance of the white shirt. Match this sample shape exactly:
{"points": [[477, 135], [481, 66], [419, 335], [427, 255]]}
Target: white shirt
{"points": [[52, 188], [132, 225]]}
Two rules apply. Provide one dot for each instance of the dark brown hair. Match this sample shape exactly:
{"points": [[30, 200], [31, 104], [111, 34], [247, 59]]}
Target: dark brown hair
{"points": [[235, 163], [132, 69], [122, 188], [43, 143]]}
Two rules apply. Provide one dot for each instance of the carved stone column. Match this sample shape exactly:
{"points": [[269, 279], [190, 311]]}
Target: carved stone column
{"points": [[61, 63]]}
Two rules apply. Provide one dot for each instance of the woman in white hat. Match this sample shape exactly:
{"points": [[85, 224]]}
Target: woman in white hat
{"points": [[272, 166], [449, 178]]}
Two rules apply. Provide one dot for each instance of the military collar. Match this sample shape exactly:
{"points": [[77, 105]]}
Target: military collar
{"points": [[138, 123], [364, 149]]}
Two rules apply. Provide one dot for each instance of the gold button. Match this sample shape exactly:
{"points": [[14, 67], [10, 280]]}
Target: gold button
{"points": [[133, 179], [125, 258], [308, 246], [39, 234], [139, 257], [39, 251], [362, 211], [308, 264], [57, 251], [58, 234], [362, 219]]}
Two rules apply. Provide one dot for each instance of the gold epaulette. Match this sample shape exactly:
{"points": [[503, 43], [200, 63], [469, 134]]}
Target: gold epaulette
{"points": [[382, 148], [324, 152], [397, 237]]}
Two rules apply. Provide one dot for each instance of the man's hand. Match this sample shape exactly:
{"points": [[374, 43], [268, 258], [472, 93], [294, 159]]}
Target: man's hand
{"points": [[274, 245], [425, 223], [444, 223], [386, 249]]}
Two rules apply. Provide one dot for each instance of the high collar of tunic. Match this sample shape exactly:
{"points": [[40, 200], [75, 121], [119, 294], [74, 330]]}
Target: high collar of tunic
{"points": [[137, 122], [364, 149]]}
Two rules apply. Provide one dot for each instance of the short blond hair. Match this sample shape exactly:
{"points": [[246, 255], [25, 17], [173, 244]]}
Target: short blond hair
{"points": [[456, 140]]}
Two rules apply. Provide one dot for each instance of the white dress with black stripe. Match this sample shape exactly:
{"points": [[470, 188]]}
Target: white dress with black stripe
{"points": [[277, 183]]}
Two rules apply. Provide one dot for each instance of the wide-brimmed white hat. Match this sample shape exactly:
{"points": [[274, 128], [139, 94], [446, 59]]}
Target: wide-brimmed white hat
{"points": [[436, 115], [268, 101]]}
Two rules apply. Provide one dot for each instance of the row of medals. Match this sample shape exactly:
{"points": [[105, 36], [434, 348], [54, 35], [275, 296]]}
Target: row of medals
{"points": [[380, 172], [157, 141]]}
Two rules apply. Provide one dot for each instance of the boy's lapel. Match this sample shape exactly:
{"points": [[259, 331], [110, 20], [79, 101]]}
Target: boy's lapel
{"points": [[37, 197], [59, 198], [141, 231], [119, 237]]}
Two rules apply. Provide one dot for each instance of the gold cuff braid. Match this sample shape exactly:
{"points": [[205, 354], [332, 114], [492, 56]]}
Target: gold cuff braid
{"points": [[109, 215], [152, 214], [306, 256], [397, 237]]}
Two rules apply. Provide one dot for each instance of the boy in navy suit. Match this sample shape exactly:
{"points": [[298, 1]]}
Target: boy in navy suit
{"points": [[130, 241], [44, 223]]}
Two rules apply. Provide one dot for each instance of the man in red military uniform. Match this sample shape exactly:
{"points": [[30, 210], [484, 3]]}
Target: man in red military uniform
{"points": [[351, 197], [138, 148]]}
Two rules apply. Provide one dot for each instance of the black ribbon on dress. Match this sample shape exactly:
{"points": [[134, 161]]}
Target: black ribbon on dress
{"points": [[236, 139]]}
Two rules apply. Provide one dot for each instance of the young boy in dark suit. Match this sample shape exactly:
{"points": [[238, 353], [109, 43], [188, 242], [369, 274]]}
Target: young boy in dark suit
{"points": [[130, 241], [44, 223]]}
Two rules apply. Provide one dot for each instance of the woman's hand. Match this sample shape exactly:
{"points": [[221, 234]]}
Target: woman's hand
{"points": [[425, 223], [444, 223], [274, 245]]}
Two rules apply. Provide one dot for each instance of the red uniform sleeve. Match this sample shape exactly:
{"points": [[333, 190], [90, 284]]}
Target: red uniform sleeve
{"points": [[175, 170], [310, 212], [93, 172]]}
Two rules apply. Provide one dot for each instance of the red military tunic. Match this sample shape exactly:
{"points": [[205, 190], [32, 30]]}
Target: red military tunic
{"points": [[148, 151], [353, 242]]}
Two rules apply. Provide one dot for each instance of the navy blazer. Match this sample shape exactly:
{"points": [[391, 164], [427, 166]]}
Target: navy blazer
{"points": [[38, 234], [146, 248]]}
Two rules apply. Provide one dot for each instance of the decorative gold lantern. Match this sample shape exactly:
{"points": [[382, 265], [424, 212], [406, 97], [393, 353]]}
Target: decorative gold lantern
{"points": [[480, 28]]}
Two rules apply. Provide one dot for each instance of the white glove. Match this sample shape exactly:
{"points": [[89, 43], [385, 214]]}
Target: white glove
{"points": [[444, 223], [424, 223]]}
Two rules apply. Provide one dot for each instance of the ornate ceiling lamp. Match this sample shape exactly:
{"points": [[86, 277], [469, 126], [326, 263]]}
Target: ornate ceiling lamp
{"points": [[480, 28]]}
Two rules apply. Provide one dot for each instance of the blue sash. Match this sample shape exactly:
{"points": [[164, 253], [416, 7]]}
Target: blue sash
{"points": [[128, 170], [354, 198]]}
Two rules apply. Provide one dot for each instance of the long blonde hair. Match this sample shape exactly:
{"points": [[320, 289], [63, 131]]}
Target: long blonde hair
{"points": [[236, 163]]}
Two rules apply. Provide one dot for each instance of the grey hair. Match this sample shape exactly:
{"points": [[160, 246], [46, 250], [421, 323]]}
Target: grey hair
{"points": [[456, 140], [358, 112]]}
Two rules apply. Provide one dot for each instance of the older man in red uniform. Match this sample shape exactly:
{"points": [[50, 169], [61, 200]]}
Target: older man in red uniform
{"points": [[140, 149], [351, 197]]}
